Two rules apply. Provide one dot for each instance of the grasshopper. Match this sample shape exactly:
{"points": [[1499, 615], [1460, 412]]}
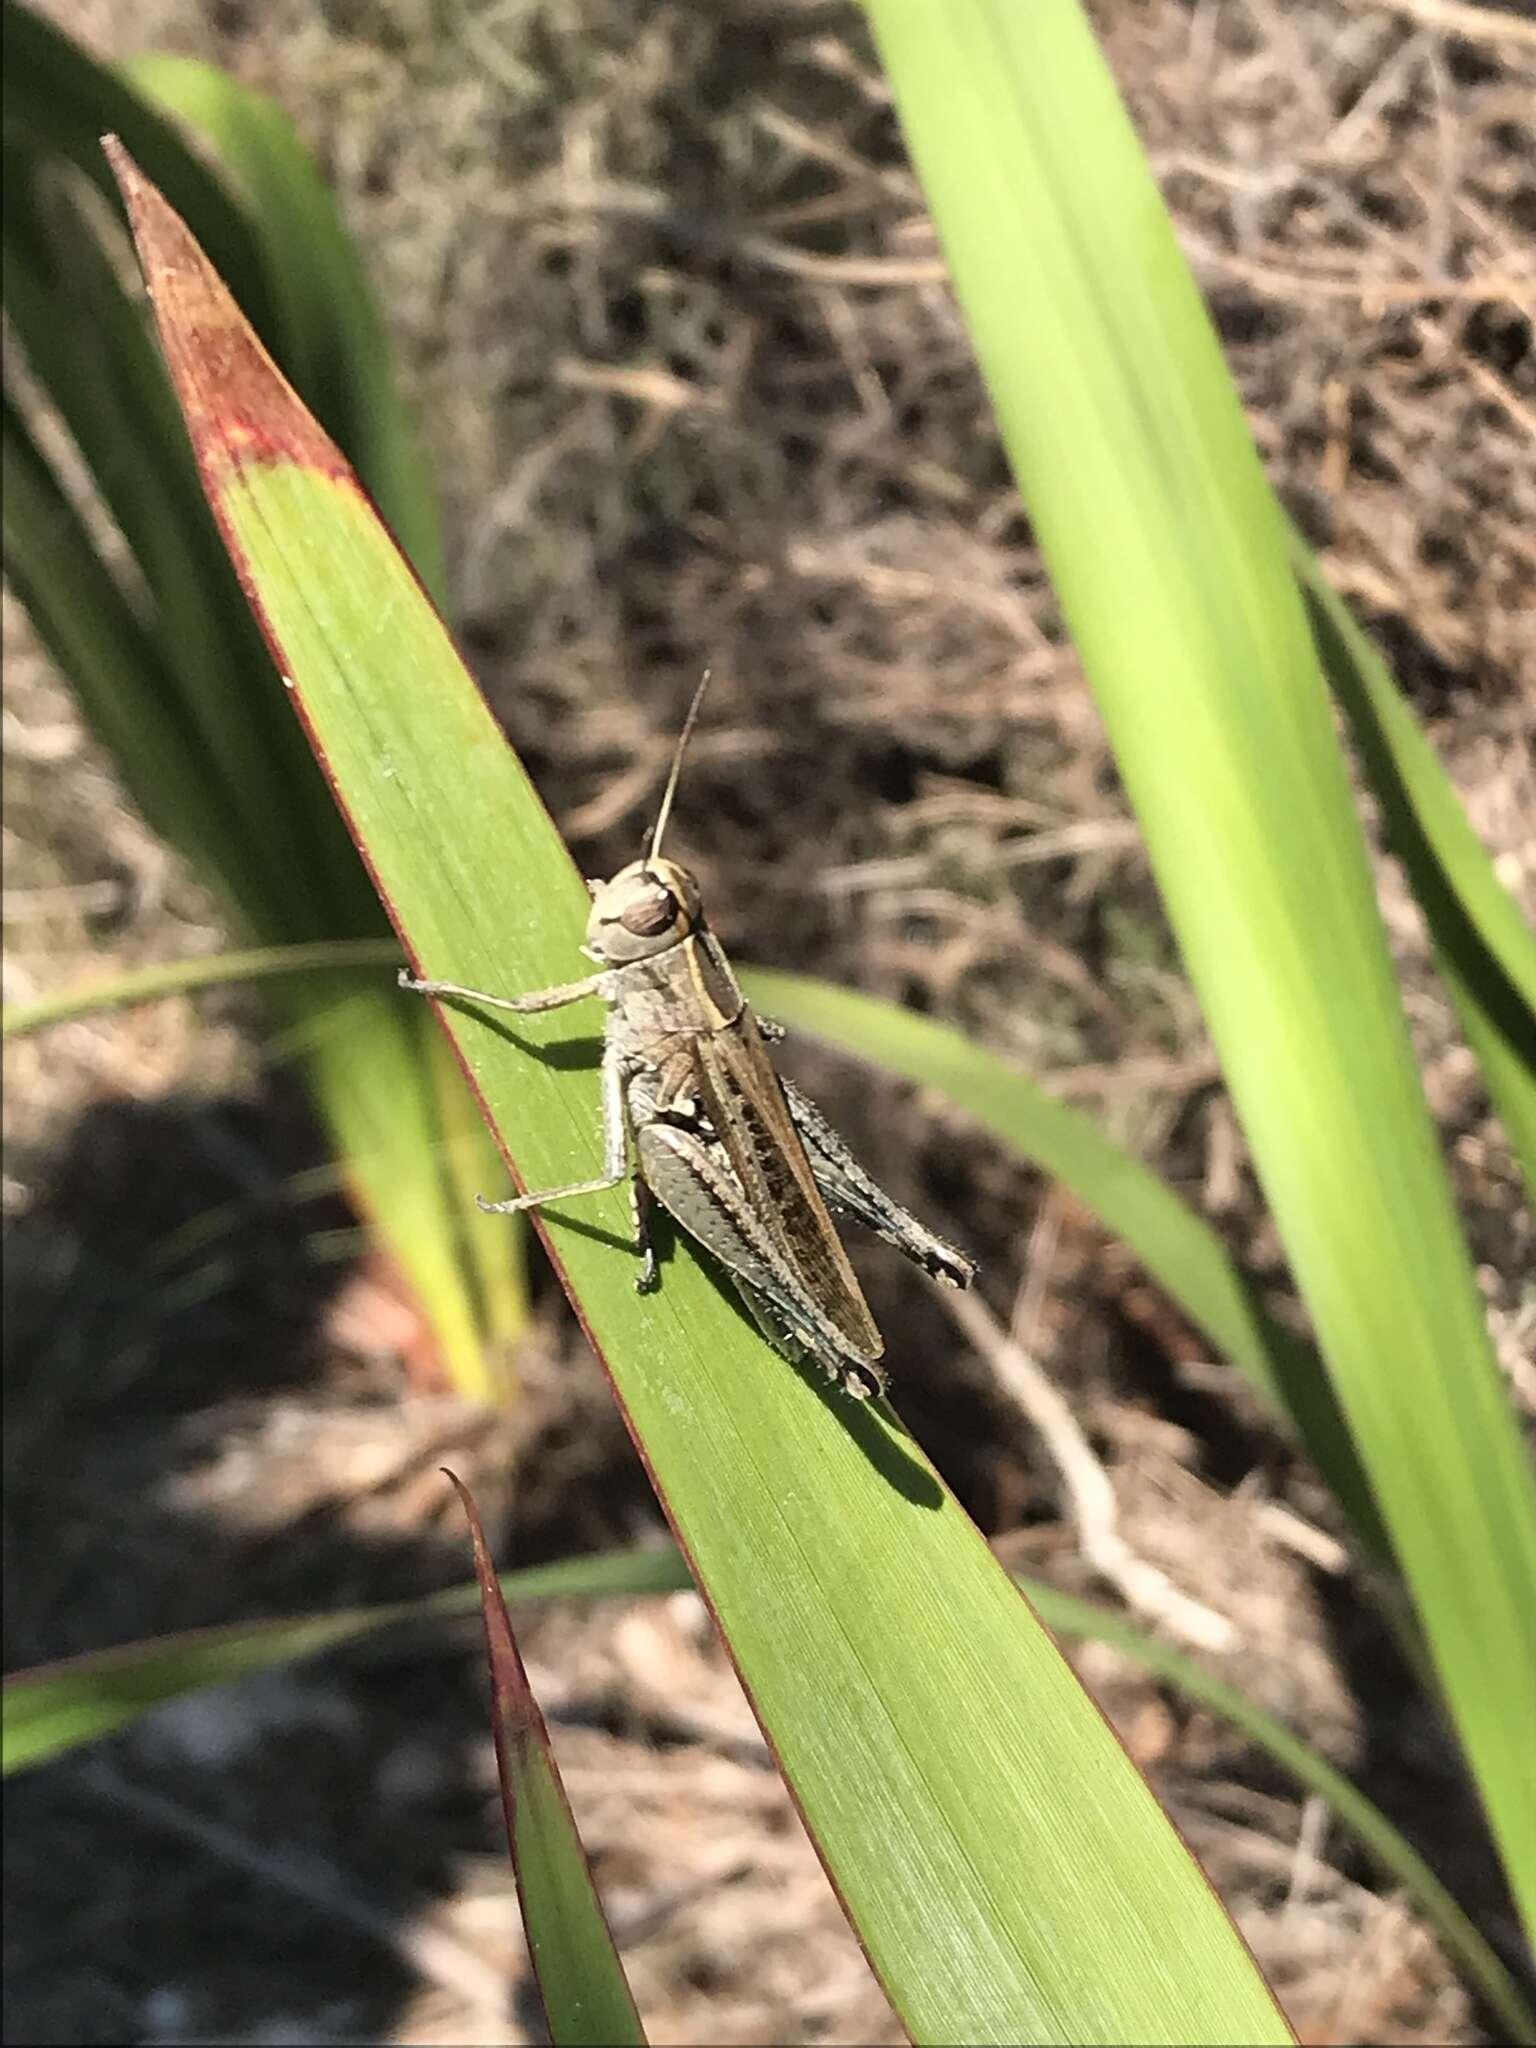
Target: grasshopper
{"points": [[736, 1154]]}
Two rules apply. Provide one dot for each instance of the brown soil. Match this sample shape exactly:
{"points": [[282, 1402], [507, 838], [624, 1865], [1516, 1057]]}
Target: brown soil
{"points": [[671, 430]]}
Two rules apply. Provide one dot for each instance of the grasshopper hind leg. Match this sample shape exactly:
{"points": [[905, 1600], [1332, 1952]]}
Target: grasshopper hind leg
{"points": [[849, 1189], [857, 1377], [694, 1184]]}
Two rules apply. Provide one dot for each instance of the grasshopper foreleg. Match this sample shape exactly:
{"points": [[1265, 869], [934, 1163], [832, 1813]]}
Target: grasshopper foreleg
{"points": [[524, 1006]]}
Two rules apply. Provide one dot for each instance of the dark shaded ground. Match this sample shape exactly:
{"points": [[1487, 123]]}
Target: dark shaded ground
{"points": [[674, 427]]}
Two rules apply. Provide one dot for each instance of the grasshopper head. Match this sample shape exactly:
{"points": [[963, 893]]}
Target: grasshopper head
{"points": [[647, 907]]}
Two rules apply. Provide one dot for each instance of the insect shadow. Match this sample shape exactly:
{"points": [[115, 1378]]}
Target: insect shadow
{"points": [[881, 1445], [563, 1054]]}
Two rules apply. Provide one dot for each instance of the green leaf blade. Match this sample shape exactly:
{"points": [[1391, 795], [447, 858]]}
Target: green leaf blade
{"points": [[586, 1995], [1006, 1868]]}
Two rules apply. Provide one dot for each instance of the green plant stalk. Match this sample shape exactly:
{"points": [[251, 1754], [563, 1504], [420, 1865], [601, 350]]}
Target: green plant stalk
{"points": [[365, 957], [56, 1707], [1170, 558]]}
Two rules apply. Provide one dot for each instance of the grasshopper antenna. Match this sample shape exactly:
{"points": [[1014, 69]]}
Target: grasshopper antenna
{"points": [[653, 837]]}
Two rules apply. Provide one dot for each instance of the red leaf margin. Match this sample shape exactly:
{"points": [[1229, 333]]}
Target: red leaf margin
{"points": [[521, 1735]]}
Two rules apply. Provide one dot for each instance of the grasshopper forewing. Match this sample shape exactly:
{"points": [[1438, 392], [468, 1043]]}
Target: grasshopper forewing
{"points": [[743, 1162]]}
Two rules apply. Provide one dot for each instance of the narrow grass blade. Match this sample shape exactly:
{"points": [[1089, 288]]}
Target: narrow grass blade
{"points": [[1007, 1869], [56, 100], [111, 393], [91, 630], [367, 957], [1393, 1855], [80, 1699], [1483, 946], [215, 760], [586, 1995], [1170, 557], [1177, 1247]]}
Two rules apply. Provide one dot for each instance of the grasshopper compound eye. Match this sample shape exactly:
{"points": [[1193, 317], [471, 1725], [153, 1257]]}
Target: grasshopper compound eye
{"points": [[650, 915]]}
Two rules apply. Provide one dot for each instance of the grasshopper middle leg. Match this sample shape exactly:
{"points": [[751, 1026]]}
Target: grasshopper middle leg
{"points": [[615, 1120], [615, 1150]]}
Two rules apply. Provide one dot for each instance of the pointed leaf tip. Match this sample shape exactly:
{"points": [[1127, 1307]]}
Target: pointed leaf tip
{"points": [[516, 1711], [581, 1981], [239, 406]]}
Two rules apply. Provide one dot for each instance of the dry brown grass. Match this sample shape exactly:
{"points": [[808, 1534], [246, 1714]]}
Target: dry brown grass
{"points": [[664, 291]]}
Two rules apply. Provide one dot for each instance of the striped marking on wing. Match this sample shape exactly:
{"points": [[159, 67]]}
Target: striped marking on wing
{"points": [[745, 1103]]}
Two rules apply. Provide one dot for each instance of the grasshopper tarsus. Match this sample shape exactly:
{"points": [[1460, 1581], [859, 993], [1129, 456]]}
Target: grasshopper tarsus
{"points": [[639, 1215], [522, 1006]]}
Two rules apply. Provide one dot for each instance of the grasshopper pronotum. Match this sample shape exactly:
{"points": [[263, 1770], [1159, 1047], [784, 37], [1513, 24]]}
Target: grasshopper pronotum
{"points": [[733, 1152]]}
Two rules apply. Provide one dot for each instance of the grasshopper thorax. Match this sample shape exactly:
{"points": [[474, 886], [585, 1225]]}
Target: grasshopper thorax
{"points": [[648, 907]]}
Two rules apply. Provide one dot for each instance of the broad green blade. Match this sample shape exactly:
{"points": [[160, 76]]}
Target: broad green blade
{"points": [[1171, 560], [1007, 1870], [1185, 1254], [58, 1706], [581, 1981], [491, 1259]]}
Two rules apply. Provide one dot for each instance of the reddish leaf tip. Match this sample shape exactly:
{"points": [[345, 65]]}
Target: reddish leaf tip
{"points": [[238, 404], [516, 1709]]}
